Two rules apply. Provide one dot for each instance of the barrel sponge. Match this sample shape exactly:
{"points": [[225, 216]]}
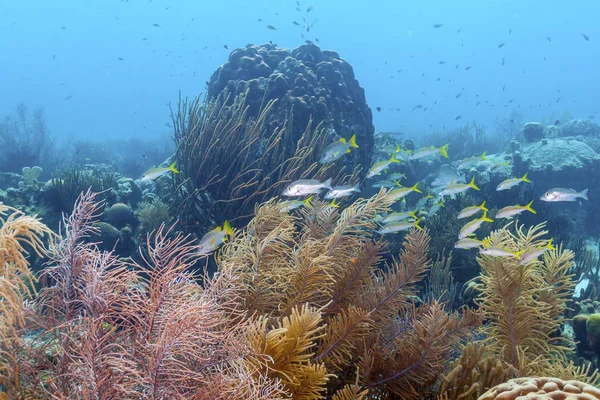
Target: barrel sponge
{"points": [[541, 389]]}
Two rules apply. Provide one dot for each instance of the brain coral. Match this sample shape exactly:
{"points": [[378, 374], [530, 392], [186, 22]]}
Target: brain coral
{"points": [[541, 389], [308, 82]]}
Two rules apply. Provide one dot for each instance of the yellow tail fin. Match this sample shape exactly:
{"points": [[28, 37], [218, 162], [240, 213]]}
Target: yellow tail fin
{"points": [[549, 245], [482, 206], [172, 168], [227, 228], [524, 178], [417, 224], [485, 217], [444, 150], [393, 158], [415, 188], [483, 157], [528, 207], [353, 142], [472, 184], [307, 202]]}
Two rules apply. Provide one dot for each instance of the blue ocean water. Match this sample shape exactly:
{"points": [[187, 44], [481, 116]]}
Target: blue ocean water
{"points": [[103, 69]]}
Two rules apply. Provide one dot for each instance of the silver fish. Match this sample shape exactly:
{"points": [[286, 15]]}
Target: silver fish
{"points": [[342, 191], [303, 187], [562, 194], [337, 149]]}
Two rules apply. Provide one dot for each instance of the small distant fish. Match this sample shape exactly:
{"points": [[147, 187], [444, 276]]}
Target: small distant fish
{"points": [[154, 173], [436, 207], [557, 122], [214, 238], [337, 149], [69, 97], [120, 58], [385, 184], [503, 61], [512, 182], [472, 226], [378, 109], [511, 211], [586, 37], [259, 20], [295, 23], [467, 68], [400, 226], [156, 25], [397, 194], [458, 117], [303, 187], [438, 25], [562, 194], [289, 205], [472, 210], [338, 192], [470, 243], [531, 255], [379, 166], [501, 45], [500, 252], [226, 47], [457, 188], [271, 27], [548, 38], [309, 9], [441, 62], [428, 152]]}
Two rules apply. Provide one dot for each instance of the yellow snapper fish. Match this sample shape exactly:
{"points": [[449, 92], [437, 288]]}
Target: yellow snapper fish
{"points": [[423, 201], [469, 162], [400, 226], [399, 193], [386, 184], [512, 182], [456, 188], [380, 166], [436, 207], [431, 151], [535, 253], [213, 239], [337, 149], [473, 225], [562, 194], [400, 216], [511, 211], [396, 176], [342, 191], [154, 173], [471, 243], [303, 187], [290, 205], [500, 252], [470, 211]]}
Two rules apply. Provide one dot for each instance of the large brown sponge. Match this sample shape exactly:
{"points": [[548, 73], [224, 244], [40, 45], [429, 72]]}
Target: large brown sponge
{"points": [[541, 389]]}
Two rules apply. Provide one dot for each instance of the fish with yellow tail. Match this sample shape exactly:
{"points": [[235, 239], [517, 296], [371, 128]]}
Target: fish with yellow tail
{"points": [[471, 243], [400, 226], [456, 188], [337, 149], [532, 255], [154, 173], [469, 162], [380, 166], [400, 216], [494, 251], [431, 151], [473, 225], [562, 194], [470, 211], [397, 194], [289, 205], [213, 239], [511, 211], [512, 182]]}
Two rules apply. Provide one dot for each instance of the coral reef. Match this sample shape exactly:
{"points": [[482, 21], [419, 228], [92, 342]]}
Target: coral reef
{"points": [[580, 127], [309, 84], [533, 131]]}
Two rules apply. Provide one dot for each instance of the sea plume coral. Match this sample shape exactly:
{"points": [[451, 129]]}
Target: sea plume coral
{"points": [[362, 323], [18, 233]]}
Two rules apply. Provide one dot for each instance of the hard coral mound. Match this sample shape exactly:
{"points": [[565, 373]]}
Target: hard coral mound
{"points": [[542, 389], [307, 82]]}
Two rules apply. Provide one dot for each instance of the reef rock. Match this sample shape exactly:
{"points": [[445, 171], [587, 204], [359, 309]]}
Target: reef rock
{"points": [[580, 127], [308, 82], [533, 131], [120, 214]]}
